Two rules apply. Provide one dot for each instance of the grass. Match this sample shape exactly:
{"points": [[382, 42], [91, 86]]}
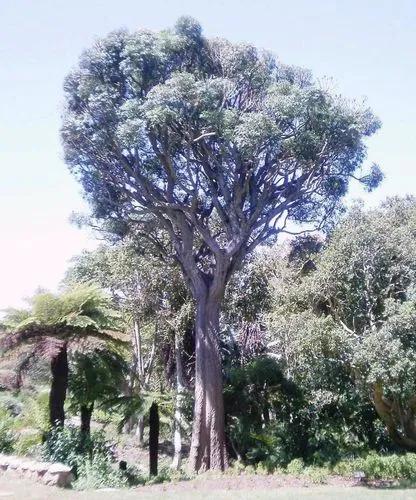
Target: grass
{"points": [[29, 490]]}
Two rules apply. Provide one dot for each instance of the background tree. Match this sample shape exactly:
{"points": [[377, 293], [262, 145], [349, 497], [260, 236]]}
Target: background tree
{"points": [[347, 324], [55, 324], [157, 309], [216, 145], [97, 376], [365, 281]]}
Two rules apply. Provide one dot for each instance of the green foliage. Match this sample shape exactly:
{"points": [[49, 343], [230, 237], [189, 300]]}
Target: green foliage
{"points": [[34, 412], [91, 458], [96, 377], [252, 392], [28, 442], [7, 434], [317, 475], [342, 322], [69, 446], [380, 466], [98, 472], [82, 306], [167, 474], [139, 404], [295, 467]]}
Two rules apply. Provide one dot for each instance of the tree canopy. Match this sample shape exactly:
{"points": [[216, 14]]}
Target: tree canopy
{"points": [[215, 148]]}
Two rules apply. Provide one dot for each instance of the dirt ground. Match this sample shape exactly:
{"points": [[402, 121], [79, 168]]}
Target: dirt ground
{"points": [[237, 487]]}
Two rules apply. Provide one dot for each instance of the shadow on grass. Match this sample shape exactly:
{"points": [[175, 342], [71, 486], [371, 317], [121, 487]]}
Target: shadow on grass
{"points": [[380, 484]]}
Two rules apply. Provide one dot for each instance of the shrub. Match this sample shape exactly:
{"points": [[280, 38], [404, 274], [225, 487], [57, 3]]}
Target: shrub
{"points": [[317, 475], [62, 445], [67, 445], [167, 474], [236, 468], [98, 472], [28, 442], [11, 403], [7, 434], [380, 466], [34, 413], [295, 467]]}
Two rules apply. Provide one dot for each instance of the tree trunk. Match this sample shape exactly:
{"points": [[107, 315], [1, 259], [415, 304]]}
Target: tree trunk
{"points": [[180, 386], [400, 422], [208, 447], [153, 439], [140, 431], [57, 395], [86, 413]]}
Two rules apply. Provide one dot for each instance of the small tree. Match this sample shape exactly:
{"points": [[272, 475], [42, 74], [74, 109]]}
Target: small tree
{"points": [[54, 325], [216, 146], [97, 375]]}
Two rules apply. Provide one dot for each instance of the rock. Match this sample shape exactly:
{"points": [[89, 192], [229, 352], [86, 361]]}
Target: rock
{"points": [[28, 470], [39, 469], [14, 463], [4, 462], [58, 475], [23, 468], [51, 474]]}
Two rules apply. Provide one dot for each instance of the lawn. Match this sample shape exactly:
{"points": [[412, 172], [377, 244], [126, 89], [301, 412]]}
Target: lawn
{"points": [[15, 488]]}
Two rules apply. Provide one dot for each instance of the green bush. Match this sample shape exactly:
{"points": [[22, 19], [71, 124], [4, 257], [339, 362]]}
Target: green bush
{"points": [[34, 412], [62, 445], [28, 442], [67, 445], [317, 475], [167, 474], [91, 458], [11, 403], [7, 434], [295, 467], [380, 466], [98, 472]]}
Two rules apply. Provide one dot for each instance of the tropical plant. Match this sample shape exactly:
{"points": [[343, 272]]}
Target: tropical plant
{"points": [[97, 376], [55, 324]]}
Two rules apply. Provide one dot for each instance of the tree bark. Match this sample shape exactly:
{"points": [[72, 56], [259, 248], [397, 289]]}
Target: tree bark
{"points": [[86, 413], [208, 446], [140, 430], [180, 386], [399, 422], [153, 439], [59, 385]]}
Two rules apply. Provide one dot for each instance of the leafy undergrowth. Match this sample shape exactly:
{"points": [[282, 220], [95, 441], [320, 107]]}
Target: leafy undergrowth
{"points": [[96, 464], [398, 467]]}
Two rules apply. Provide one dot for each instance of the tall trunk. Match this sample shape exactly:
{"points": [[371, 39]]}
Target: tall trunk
{"points": [[57, 395], [153, 439], [137, 349], [136, 373], [86, 413], [140, 431], [208, 448], [180, 386]]}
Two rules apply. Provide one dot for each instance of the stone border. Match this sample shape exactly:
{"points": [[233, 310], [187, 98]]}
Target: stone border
{"points": [[53, 474]]}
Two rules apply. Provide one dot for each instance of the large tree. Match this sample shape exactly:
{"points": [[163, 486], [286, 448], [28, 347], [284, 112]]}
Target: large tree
{"points": [[217, 146]]}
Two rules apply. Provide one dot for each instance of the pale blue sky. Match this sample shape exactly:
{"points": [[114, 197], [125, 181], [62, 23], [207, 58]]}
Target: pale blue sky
{"points": [[368, 47]]}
